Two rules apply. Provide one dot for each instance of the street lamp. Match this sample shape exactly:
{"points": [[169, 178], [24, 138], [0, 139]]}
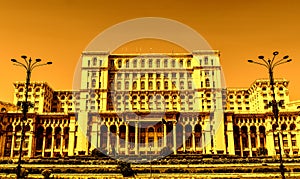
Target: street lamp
{"points": [[29, 65], [270, 64]]}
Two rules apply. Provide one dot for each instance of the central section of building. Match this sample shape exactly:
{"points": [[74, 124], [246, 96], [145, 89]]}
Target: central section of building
{"points": [[151, 103]]}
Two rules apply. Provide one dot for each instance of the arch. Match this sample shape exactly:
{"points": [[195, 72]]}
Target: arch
{"points": [[18, 128], [262, 136], [150, 129], [292, 126], [57, 137], [244, 133], [283, 127], [198, 135], [39, 138], [66, 137], [48, 143], [103, 138], [236, 134], [253, 136]]}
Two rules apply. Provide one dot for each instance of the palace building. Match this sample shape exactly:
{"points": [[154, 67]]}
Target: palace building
{"points": [[135, 104]]}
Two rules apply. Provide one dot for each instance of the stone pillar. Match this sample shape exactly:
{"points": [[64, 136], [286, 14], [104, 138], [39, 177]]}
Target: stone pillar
{"points": [[12, 144], [44, 144], [270, 143], [230, 136], [289, 137], [61, 141], [258, 139], [136, 138], [281, 142], [203, 142], [174, 138], [126, 138], [249, 143], [30, 144], [52, 142], [241, 143], [117, 139]]}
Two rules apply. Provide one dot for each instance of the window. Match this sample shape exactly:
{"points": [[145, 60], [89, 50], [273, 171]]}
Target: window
{"points": [[143, 63], [119, 85], [94, 61], [205, 60], [134, 63], [127, 63], [126, 85], [188, 63], [112, 63], [150, 75], [158, 85], [212, 62], [181, 63], [143, 85], [181, 75], [173, 63], [150, 63], [166, 63], [190, 85], [158, 63], [134, 85], [119, 63], [173, 75], [150, 85], [207, 82], [166, 85], [181, 85]]}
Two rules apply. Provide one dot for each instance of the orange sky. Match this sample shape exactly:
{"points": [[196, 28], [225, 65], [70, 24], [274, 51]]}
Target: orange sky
{"points": [[59, 30]]}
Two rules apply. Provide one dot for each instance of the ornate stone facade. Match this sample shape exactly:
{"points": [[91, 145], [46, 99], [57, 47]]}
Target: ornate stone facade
{"points": [[132, 104]]}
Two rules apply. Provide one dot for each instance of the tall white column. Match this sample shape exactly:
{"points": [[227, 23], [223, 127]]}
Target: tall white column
{"points": [[61, 141], [174, 139], [193, 141], [241, 144], [165, 135], [289, 137], [126, 138], [44, 143], [12, 144], [183, 139], [118, 139], [249, 143], [108, 139], [136, 138]]}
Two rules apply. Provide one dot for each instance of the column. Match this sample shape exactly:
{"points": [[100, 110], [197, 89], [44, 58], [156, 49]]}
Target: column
{"points": [[108, 139], [258, 139], [289, 137], [126, 138], [44, 143], [174, 138], [12, 144], [249, 143], [230, 136], [30, 142], [61, 141], [136, 138], [52, 142], [281, 142], [118, 139], [270, 143], [298, 141], [241, 143], [203, 142], [165, 135]]}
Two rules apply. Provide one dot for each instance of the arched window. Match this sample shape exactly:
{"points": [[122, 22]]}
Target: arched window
{"points": [[143, 63], [158, 63], [134, 63], [166, 63], [126, 85], [150, 85], [166, 85], [188, 63], [119, 85], [190, 85], [206, 60], [127, 63], [134, 85], [173, 63], [119, 63], [94, 61], [142, 85], [158, 85], [150, 63], [207, 83], [181, 63]]}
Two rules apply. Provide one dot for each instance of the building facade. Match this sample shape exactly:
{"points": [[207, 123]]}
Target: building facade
{"points": [[135, 104]]}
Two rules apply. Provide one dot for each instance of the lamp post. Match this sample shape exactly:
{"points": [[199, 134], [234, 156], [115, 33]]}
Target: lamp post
{"points": [[270, 64], [29, 65]]}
